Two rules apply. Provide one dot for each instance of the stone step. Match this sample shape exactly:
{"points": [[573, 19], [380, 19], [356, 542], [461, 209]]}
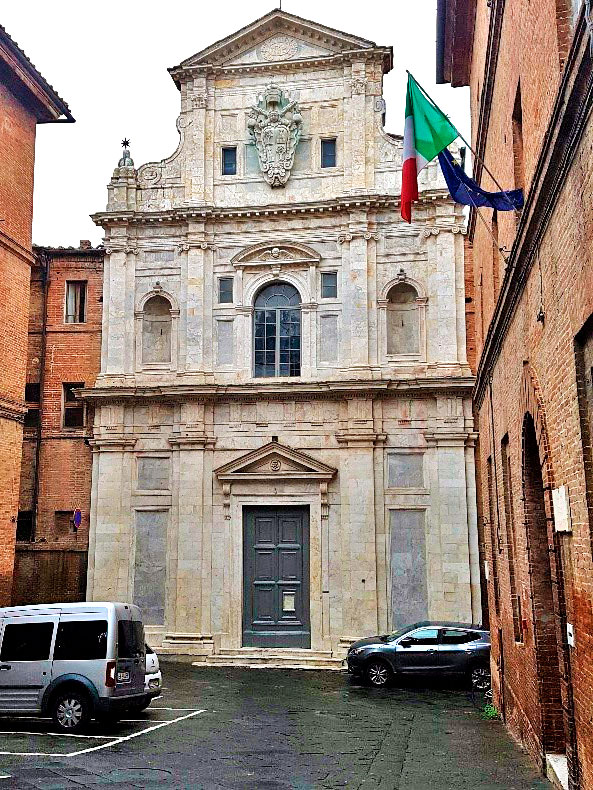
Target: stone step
{"points": [[273, 660]]}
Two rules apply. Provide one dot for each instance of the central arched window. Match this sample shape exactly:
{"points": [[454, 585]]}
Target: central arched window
{"points": [[277, 331]]}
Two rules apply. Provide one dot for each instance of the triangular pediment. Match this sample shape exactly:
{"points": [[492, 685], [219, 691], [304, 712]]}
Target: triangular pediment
{"points": [[275, 461], [277, 36]]}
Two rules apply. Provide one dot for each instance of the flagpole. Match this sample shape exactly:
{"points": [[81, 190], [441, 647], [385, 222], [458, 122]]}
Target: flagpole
{"points": [[484, 165]]}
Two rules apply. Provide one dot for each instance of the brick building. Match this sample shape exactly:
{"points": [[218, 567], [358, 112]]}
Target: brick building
{"points": [[64, 354], [26, 99], [530, 74]]}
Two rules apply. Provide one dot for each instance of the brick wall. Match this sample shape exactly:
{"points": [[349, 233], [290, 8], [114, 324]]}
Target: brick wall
{"points": [[543, 687], [17, 150], [72, 354]]}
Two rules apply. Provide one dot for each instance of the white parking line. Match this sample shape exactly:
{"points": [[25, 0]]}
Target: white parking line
{"points": [[158, 707], [114, 742]]}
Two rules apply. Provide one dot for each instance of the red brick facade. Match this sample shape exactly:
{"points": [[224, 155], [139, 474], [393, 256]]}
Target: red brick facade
{"points": [[25, 100], [50, 549], [531, 78]]}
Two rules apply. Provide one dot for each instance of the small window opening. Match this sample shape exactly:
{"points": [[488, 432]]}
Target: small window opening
{"points": [[73, 415], [24, 526], [229, 161], [76, 302], [328, 152], [329, 285], [225, 290]]}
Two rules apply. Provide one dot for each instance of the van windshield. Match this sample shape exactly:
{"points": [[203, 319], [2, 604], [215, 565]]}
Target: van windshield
{"points": [[130, 639]]}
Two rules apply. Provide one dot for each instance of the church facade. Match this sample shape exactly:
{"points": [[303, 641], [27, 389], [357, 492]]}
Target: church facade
{"points": [[283, 439]]}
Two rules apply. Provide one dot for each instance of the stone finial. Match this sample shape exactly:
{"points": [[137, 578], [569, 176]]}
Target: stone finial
{"points": [[126, 159]]}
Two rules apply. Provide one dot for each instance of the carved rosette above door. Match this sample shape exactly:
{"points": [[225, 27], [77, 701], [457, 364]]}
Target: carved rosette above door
{"points": [[272, 463], [274, 124]]}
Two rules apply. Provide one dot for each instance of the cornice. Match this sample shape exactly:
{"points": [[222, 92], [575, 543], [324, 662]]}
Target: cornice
{"points": [[15, 248], [568, 122], [491, 63], [380, 54], [252, 391], [370, 200], [12, 410]]}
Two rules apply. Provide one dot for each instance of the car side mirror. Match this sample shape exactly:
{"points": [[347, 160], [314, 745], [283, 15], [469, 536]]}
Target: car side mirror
{"points": [[406, 642]]}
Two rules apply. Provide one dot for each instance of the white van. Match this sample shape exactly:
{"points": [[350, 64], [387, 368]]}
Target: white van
{"points": [[73, 661]]}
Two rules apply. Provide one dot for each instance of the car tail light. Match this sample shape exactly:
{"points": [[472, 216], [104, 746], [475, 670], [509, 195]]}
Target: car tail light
{"points": [[110, 674]]}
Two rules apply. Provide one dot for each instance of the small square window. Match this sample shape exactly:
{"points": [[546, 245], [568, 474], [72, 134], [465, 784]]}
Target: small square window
{"points": [[229, 161], [24, 525], [328, 152], [329, 285], [225, 290], [32, 418], [73, 416], [32, 392], [63, 522], [75, 302]]}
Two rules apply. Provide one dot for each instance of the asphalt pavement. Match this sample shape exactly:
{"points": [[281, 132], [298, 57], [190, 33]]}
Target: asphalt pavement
{"points": [[254, 729]]}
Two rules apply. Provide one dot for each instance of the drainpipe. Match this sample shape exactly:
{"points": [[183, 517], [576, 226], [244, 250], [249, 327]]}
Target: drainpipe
{"points": [[45, 273]]}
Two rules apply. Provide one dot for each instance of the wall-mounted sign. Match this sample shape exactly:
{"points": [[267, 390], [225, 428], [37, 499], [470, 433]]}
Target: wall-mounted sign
{"points": [[561, 503]]}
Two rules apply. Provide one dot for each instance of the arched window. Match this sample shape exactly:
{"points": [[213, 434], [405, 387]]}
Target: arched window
{"points": [[156, 331], [277, 331], [403, 320]]}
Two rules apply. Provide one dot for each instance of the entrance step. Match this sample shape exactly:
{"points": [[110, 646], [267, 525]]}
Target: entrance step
{"points": [[557, 770], [271, 658]]}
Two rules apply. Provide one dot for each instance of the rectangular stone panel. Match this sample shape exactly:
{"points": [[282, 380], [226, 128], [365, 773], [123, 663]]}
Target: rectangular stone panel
{"points": [[150, 565], [251, 160], [405, 470], [328, 338], [154, 257], [409, 588], [225, 351], [153, 474]]}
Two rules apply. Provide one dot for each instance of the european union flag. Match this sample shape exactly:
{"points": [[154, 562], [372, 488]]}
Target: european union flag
{"points": [[465, 190]]}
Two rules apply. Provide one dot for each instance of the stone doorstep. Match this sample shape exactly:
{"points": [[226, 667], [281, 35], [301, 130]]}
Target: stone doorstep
{"points": [[265, 658], [557, 770]]}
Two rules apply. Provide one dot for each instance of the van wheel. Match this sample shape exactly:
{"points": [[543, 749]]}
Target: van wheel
{"points": [[71, 710], [378, 673]]}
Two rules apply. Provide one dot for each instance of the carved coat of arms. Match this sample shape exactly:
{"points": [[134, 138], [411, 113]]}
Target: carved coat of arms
{"points": [[275, 127]]}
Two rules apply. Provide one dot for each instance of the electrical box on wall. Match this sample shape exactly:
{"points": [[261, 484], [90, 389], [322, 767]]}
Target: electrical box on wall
{"points": [[570, 634], [561, 503]]}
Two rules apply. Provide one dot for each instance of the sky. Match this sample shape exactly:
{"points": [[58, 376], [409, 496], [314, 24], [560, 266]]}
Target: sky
{"points": [[108, 60]]}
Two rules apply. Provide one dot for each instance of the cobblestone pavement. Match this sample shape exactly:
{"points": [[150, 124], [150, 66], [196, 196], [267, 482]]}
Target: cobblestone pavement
{"points": [[276, 729]]}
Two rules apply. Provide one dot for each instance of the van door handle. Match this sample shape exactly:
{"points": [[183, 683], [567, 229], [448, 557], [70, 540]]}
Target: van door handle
{"points": [[4, 667], [431, 650]]}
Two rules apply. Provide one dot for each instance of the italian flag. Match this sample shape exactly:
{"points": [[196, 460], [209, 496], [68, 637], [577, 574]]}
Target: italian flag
{"points": [[427, 131]]}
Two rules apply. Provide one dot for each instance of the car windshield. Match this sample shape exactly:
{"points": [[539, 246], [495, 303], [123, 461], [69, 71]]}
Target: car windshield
{"points": [[395, 634]]}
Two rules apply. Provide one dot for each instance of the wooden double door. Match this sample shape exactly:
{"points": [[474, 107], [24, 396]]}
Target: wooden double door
{"points": [[276, 577]]}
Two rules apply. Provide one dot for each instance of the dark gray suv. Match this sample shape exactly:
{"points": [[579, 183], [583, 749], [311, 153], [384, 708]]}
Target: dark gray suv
{"points": [[431, 648]]}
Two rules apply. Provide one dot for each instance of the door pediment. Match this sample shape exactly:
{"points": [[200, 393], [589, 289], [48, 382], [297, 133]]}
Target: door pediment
{"points": [[275, 461]]}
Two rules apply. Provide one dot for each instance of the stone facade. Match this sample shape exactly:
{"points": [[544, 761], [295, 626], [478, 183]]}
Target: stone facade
{"points": [[367, 442], [530, 73], [25, 100]]}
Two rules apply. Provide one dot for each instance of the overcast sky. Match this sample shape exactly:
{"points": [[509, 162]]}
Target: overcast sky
{"points": [[109, 60]]}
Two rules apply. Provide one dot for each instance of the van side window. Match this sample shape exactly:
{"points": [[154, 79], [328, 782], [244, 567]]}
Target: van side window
{"points": [[81, 640], [26, 642]]}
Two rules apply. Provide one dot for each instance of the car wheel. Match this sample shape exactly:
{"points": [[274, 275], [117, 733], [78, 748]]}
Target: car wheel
{"points": [[71, 710], [378, 673], [480, 678]]}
